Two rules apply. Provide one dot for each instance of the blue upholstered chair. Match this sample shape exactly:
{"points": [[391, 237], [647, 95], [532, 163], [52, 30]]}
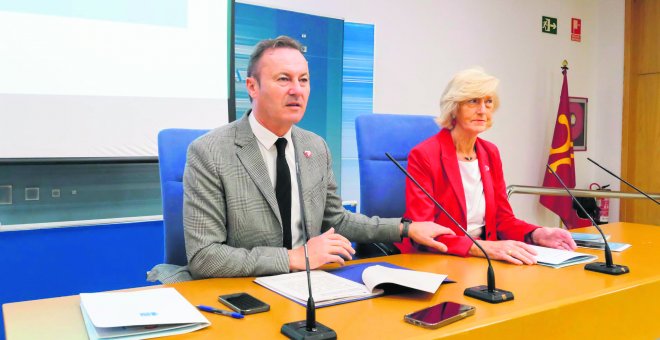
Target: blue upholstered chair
{"points": [[382, 185], [172, 149]]}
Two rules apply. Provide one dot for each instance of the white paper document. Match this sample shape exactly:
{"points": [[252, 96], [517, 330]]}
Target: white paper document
{"points": [[139, 315], [327, 288], [558, 258], [330, 289], [427, 282]]}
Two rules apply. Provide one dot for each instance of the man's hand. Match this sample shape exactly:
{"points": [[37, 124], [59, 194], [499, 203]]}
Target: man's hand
{"points": [[325, 248], [553, 238], [424, 233], [510, 251]]}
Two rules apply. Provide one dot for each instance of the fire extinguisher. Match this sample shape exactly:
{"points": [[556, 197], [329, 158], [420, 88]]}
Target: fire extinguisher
{"points": [[603, 203]]}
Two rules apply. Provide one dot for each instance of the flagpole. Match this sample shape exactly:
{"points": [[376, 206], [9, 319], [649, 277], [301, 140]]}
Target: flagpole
{"points": [[561, 159], [564, 68]]}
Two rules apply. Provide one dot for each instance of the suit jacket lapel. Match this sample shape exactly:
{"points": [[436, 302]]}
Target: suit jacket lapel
{"points": [[450, 165], [489, 195], [250, 156]]}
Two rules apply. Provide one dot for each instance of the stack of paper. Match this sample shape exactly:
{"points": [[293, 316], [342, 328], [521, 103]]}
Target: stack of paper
{"points": [[557, 258], [596, 241], [139, 315], [588, 237]]}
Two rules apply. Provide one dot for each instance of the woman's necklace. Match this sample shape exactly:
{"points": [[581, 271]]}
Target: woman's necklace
{"points": [[469, 158], [466, 155]]}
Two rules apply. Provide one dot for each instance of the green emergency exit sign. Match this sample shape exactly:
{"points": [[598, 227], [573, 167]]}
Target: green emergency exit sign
{"points": [[549, 25]]}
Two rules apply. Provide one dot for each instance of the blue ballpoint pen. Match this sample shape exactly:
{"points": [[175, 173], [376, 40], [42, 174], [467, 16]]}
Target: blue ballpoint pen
{"points": [[210, 309]]}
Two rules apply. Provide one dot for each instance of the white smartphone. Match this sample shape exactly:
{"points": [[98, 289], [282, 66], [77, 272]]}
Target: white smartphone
{"points": [[439, 315]]}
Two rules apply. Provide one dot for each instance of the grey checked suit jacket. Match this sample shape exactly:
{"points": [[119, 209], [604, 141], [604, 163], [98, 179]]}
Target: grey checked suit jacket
{"points": [[230, 214]]}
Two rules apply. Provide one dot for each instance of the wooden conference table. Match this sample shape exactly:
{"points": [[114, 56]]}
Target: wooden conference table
{"points": [[549, 303]]}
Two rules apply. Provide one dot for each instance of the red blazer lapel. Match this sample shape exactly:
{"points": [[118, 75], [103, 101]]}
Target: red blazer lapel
{"points": [[450, 165], [489, 195]]}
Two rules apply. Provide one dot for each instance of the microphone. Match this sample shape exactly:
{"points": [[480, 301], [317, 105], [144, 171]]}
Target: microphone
{"points": [[487, 293], [308, 328], [624, 181], [608, 267]]}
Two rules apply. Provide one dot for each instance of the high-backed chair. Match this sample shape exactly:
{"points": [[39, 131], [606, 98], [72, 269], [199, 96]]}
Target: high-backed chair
{"points": [[382, 185], [172, 149]]}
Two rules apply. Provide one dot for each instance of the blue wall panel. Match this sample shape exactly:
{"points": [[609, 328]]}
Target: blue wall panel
{"points": [[323, 37], [357, 99], [46, 263]]}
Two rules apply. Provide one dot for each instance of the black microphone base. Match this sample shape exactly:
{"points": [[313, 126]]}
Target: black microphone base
{"points": [[482, 293], [601, 267], [298, 330]]}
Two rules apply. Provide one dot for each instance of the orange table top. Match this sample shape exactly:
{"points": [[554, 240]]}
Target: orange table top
{"points": [[568, 302]]}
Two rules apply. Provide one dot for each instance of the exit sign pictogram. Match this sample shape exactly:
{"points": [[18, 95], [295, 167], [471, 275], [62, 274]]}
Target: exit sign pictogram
{"points": [[549, 25]]}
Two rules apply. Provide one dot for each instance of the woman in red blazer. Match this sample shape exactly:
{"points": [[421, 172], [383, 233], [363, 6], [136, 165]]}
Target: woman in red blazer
{"points": [[464, 174]]}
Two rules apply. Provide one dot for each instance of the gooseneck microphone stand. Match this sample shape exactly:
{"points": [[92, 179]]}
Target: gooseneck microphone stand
{"points": [[487, 293], [608, 267], [308, 328], [624, 181]]}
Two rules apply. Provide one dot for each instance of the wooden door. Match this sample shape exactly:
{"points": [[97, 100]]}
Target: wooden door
{"points": [[640, 150]]}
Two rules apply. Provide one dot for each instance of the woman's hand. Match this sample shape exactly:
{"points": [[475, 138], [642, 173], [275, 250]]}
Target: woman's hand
{"points": [[553, 238], [510, 251]]}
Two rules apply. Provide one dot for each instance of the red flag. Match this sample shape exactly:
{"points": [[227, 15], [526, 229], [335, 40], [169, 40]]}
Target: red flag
{"points": [[561, 161]]}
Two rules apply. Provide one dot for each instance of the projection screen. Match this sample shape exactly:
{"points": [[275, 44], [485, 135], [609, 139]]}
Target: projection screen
{"points": [[99, 79]]}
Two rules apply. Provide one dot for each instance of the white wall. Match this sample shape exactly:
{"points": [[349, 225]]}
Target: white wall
{"points": [[420, 44]]}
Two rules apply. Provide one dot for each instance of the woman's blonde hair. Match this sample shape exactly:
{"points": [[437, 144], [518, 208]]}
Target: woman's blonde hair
{"points": [[466, 84]]}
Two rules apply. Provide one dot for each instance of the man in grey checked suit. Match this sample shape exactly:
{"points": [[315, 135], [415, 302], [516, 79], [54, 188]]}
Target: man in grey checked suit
{"points": [[232, 221]]}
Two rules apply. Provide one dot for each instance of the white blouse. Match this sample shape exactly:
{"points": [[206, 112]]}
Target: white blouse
{"points": [[474, 196]]}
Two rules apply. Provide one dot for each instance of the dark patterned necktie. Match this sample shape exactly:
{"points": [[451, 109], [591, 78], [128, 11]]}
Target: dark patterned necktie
{"points": [[283, 191]]}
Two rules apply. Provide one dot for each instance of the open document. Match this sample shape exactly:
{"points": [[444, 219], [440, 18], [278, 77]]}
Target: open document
{"points": [[343, 285], [558, 258], [139, 315]]}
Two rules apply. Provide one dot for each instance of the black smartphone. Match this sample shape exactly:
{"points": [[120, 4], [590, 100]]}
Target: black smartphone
{"points": [[244, 303], [439, 315]]}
